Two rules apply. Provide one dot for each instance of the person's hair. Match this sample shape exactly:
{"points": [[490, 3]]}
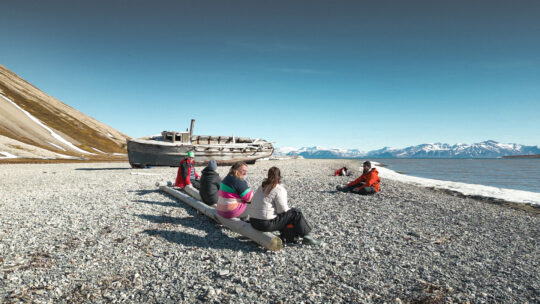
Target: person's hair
{"points": [[274, 178], [235, 168], [367, 163]]}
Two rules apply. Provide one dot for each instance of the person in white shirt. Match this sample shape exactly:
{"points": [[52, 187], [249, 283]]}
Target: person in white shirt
{"points": [[269, 211]]}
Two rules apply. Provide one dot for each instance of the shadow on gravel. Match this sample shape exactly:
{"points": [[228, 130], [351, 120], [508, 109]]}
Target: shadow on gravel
{"points": [[329, 191], [144, 192], [215, 237], [157, 203], [101, 169]]}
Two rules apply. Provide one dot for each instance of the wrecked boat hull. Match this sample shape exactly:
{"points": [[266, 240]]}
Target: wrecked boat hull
{"points": [[155, 151]]}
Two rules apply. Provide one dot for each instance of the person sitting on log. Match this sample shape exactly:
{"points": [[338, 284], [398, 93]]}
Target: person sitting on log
{"points": [[234, 193], [186, 172], [269, 211], [368, 183], [341, 172], [210, 181]]}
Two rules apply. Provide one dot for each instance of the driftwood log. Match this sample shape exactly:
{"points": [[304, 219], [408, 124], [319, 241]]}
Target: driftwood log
{"points": [[265, 239], [193, 192]]}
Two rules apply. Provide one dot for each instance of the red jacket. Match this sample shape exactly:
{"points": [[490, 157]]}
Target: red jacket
{"points": [[339, 172], [184, 173], [370, 179]]}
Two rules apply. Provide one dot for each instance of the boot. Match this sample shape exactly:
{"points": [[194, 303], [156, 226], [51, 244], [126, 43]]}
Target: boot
{"points": [[309, 240]]}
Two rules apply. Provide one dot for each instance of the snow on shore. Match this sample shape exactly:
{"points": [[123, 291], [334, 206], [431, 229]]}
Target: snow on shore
{"points": [[517, 196]]}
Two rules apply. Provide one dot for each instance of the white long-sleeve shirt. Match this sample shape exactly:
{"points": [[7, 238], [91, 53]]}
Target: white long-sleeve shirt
{"points": [[268, 207]]}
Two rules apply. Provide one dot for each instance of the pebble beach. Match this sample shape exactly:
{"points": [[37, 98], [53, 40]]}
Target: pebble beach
{"points": [[104, 233]]}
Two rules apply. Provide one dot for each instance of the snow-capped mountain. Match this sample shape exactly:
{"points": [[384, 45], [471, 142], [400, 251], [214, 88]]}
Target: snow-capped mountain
{"points": [[485, 149], [320, 152]]}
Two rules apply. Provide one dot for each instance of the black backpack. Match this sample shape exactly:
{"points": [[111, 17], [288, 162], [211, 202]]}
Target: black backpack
{"points": [[289, 235]]}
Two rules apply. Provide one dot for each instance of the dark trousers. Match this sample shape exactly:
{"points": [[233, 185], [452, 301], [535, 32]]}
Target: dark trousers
{"points": [[294, 216], [195, 183], [363, 191]]}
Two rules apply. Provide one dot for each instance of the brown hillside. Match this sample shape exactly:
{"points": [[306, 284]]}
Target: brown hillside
{"points": [[67, 131]]}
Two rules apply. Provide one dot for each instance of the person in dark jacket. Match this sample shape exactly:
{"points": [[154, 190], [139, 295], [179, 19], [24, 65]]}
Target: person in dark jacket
{"points": [[186, 172], [210, 181]]}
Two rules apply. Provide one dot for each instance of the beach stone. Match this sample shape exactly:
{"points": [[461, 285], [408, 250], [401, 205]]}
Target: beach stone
{"points": [[97, 233]]}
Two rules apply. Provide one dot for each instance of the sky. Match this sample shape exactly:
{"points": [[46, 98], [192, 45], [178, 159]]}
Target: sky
{"points": [[339, 74]]}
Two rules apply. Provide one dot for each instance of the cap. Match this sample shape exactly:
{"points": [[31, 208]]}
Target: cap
{"points": [[212, 165], [190, 154]]}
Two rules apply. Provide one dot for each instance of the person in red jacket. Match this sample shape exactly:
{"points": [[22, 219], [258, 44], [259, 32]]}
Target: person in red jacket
{"points": [[341, 172], [186, 172], [368, 183]]}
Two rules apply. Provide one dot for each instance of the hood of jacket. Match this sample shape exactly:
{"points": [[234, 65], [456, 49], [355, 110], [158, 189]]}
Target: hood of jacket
{"points": [[207, 170]]}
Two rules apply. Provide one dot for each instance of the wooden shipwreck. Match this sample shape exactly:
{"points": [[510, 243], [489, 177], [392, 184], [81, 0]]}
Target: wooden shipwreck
{"points": [[169, 148]]}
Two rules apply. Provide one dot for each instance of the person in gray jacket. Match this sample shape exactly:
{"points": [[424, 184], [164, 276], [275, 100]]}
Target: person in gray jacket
{"points": [[210, 181]]}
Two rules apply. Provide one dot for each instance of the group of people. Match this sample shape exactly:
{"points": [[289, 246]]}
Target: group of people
{"points": [[267, 208]]}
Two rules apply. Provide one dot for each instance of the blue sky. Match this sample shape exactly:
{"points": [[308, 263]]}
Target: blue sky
{"points": [[342, 74]]}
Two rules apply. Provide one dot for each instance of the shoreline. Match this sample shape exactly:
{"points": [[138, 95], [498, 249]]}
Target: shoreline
{"points": [[527, 200], [493, 194]]}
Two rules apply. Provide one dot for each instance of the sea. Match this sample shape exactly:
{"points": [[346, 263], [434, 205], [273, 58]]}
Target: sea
{"points": [[509, 173], [507, 179]]}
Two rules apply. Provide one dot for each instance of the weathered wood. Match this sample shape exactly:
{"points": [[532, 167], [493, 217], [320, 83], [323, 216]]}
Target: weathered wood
{"points": [[265, 239], [191, 191], [191, 128]]}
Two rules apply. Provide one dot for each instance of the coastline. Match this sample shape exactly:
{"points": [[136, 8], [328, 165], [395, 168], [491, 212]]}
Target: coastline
{"points": [[510, 197], [102, 232], [527, 200]]}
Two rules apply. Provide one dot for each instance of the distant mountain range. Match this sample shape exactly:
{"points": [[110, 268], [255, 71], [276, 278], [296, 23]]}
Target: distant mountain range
{"points": [[485, 149], [320, 152]]}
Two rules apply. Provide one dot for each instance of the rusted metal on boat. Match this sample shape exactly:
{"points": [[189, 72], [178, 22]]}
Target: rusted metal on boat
{"points": [[169, 148]]}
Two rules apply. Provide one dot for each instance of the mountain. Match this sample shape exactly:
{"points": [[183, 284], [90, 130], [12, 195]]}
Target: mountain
{"points": [[36, 125], [486, 149], [320, 152]]}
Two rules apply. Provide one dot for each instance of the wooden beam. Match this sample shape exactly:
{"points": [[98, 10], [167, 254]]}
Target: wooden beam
{"points": [[191, 129], [266, 239]]}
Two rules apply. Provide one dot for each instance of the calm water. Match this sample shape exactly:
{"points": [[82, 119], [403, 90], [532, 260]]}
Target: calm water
{"points": [[520, 174]]}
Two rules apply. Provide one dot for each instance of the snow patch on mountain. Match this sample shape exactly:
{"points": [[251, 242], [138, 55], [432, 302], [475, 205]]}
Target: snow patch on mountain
{"points": [[320, 152], [4, 154], [53, 134], [485, 149]]}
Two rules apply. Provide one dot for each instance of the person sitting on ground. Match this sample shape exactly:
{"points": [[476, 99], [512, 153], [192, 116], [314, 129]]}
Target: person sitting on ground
{"points": [[186, 172], [210, 181], [341, 172], [269, 210], [367, 183], [234, 193]]}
